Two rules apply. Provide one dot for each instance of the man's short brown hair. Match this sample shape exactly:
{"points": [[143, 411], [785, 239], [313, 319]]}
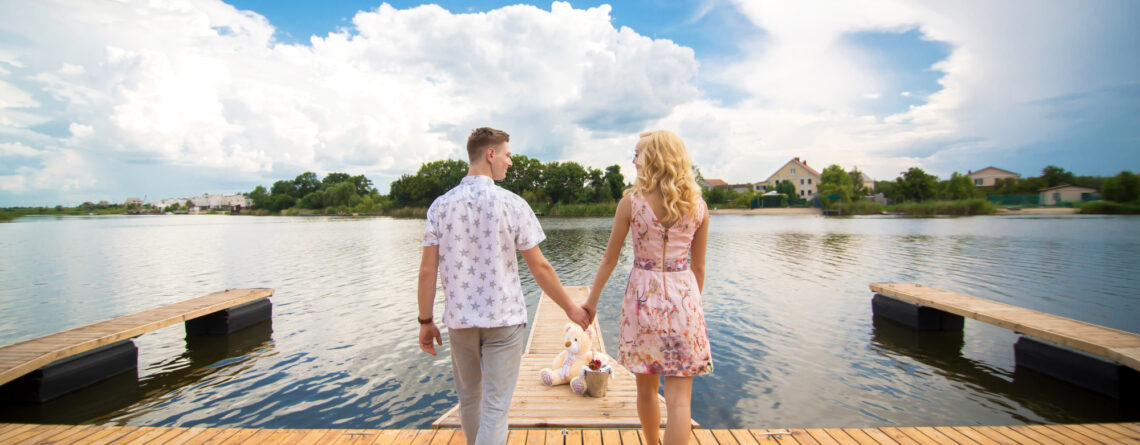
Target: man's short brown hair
{"points": [[483, 137]]}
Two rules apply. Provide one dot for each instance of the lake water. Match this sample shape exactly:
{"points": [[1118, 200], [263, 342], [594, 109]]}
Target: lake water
{"points": [[786, 301]]}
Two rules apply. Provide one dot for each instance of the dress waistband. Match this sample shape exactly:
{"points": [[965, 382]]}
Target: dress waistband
{"points": [[671, 264]]}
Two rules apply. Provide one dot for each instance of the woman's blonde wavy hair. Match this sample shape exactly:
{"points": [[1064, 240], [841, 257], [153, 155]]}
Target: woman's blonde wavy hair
{"points": [[663, 163]]}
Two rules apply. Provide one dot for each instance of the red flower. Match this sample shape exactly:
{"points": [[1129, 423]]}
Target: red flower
{"points": [[594, 365]]}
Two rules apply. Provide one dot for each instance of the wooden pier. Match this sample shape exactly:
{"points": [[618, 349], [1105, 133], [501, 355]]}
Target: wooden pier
{"points": [[1111, 344], [19, 359], [1083, 434], [536, 405], [1095, 357]]}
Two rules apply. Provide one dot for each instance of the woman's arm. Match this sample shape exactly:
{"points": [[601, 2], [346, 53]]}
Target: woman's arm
{"points": [[700, 242], [613, 251]]}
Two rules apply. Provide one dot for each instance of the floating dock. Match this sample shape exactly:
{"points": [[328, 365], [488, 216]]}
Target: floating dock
{"points": [[536, 405], [46, 367], [1095, 357]]}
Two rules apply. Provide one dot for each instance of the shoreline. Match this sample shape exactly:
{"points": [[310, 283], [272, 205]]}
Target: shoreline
{"points": [[771, 211]]}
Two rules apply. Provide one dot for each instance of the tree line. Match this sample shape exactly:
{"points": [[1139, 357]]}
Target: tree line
{"points": [[537, 182], [916, 186]]}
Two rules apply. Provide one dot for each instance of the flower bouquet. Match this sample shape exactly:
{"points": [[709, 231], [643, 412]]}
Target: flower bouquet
{"points": [[597, 374]]}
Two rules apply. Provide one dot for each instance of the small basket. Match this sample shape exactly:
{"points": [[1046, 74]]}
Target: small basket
{"points": [[597, 381]]}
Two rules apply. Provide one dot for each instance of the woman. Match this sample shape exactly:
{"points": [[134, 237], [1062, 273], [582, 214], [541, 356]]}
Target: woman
{"points": [[662, 324]]}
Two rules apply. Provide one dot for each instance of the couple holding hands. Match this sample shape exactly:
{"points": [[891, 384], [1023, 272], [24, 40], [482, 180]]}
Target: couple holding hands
{"points": [[469, 243]]}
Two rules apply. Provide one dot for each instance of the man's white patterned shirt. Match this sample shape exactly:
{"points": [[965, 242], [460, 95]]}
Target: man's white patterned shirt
{"points": [[478, 226]]}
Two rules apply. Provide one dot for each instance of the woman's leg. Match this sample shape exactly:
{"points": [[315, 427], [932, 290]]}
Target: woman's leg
{"points": [[647, 410], [678, 396]]}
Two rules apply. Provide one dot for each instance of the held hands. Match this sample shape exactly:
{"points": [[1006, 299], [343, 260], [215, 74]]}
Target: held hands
{"points": [[591, 311], [428, 332], [579, 316]]}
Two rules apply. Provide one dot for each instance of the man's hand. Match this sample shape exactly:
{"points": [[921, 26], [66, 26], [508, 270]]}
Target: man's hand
{"points": [[579, 316], [427, 333]]}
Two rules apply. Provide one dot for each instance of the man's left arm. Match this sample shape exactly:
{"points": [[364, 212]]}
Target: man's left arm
{"points": [[429, 268]]}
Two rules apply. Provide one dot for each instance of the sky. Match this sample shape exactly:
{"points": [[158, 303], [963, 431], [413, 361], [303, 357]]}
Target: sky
{"points": [[109, 99]]}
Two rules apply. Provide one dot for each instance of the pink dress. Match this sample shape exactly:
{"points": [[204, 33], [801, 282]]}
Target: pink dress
{"points": [[662, 323]]}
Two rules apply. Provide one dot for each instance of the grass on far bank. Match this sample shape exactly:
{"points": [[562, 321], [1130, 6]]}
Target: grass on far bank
{"points": [[960, 207], [602, 209], [1109, 208]]}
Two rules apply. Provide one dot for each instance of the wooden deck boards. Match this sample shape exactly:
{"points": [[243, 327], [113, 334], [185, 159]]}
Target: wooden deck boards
{"points": [[536, 405], [21, 358], [1101, 433], [1115, 345]]}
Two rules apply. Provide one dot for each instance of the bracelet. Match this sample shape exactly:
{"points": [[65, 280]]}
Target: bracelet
{"points": [[424, 320]]}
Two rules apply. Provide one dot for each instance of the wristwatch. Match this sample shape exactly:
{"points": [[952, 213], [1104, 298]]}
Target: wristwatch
{"points": [[424, 320]]}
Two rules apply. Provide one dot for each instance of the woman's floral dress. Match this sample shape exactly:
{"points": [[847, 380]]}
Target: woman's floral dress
{"points": [[662, 323]]}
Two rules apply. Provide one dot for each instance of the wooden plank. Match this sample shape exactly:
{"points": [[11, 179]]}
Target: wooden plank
{"points": [[35, 433], [705, 437], [994, 435], [1032, 434], [952, 433], [895, 434], [1112, 433], [1132, 429], [631, 437], [840, 436], [743, 437], [1069, 434], [1115, 345], [55, 347], [14, 430], [816, 435], [923, 438], [535, 437], [975, 435]]}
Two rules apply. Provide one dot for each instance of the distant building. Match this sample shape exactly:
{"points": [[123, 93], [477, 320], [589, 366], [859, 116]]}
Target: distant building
{"points": [[868, 183], [229, 203], [133, 202], [805, 178], [162, 204], [1066, 193], [741, 188], [987, 177], [713, 183]]}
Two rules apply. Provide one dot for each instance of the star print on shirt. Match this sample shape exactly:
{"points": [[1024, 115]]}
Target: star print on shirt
{"points": [[494, 222]]}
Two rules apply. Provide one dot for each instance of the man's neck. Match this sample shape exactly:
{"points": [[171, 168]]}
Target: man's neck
{"points": [[480, 170]]}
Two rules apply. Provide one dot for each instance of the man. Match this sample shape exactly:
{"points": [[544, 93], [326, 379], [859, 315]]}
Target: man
{"points": [[472, 233]]}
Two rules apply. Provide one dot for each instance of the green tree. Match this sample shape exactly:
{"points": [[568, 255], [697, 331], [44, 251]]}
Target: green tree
{"points": [[787, 188], [615, 181], [1054, 176], [283, 188], [959, 186], [306, 183], [565, 182], [447, 173], [916, 185], [835, 181], [524, 175], [413, 191], [1124, 187], [858, 190], [333, 179], [260, 197], [363, 185], [343, 194]]}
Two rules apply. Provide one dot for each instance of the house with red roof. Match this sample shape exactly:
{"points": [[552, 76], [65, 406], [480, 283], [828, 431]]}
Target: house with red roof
{"points": [[796, 171]]}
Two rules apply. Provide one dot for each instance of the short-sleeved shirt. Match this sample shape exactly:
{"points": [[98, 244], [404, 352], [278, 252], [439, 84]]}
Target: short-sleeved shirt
{"points": [[478, 226]]}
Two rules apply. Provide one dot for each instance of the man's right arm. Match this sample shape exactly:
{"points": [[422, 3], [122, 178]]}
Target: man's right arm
{"points": [[547, 279], [429, 268]]}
